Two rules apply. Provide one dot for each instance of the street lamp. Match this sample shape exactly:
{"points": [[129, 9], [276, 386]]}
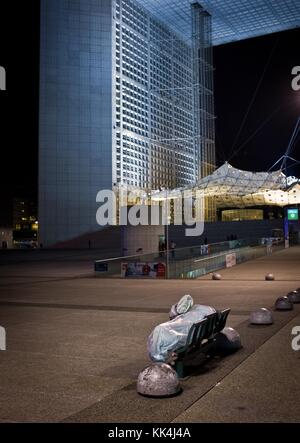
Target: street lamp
{"points": [[168, 219]]}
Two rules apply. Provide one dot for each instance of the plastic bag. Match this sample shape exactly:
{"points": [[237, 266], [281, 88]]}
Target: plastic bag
{"points": [[172, 335], [183, 306]]}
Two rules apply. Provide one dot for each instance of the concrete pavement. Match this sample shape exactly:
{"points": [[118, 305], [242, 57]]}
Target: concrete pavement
{"points": [[263, 388], [75, 345]]}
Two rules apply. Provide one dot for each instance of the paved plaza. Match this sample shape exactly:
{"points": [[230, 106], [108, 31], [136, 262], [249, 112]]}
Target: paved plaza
{"points": [[76, 343]]}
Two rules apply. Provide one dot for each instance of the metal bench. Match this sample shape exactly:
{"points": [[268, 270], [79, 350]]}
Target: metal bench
{"points": [[222, 319], [201, 339]]}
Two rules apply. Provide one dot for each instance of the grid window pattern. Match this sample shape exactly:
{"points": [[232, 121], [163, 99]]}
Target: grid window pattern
{"points": [[231, 19], [154, 101], [117, 105], [75, 147]]}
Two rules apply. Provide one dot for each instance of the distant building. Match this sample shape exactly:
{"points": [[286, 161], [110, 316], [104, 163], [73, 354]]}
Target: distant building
{"points": [[25, 223]]}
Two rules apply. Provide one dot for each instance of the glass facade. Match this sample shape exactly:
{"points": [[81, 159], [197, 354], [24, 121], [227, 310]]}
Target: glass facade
{"points": [[154, 102], [229, 215], [75, 152], [124, 100], [231, 19], [126, 97]]}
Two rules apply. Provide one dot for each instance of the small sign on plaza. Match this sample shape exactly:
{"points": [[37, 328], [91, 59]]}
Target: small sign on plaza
{"points": [[293, 214], [101, 267], [230, 260], [143, 270]]}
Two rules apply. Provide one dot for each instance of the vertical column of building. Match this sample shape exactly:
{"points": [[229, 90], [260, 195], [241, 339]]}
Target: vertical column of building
{"points": [[117, 93], [75, 148], [183, 111], [132, 25], [173, 176], [150, 181], [115, 46], [203, 90], [203, 99], [171, 82], [161, 104]]}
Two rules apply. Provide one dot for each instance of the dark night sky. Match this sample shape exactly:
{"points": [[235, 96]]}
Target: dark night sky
{"points": [[239, 69], [19, 54], [263, 64]]}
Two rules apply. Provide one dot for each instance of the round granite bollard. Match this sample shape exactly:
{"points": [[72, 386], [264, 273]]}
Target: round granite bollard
{"points": [[283, 304], [216, 276], [270, 277], [158, 380], [294, 296], [261, 316], [228, 340]]}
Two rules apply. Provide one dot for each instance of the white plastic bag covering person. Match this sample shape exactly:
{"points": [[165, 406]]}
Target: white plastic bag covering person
{"points": [[183, 306], [172, 335], [173, 312]]}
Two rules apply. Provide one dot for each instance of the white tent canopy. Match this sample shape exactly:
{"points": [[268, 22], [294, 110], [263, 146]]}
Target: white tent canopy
{"points": [[229, 180], [233, 187]]}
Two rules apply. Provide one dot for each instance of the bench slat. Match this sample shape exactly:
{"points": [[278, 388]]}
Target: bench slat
{"points": [[223, 315], [206, 330]]}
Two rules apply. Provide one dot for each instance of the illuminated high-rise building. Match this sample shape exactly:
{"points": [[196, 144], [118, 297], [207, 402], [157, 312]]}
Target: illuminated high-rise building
{"points": [[125, 99]]}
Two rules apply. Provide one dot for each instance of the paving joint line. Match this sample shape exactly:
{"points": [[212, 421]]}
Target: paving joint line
{"points": [[239, 364]]}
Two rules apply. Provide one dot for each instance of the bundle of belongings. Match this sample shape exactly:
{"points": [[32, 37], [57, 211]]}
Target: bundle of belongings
{"points": [[167, 337]]}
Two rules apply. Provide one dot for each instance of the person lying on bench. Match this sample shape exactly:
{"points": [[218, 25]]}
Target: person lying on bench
{"points": [[167, 337]]}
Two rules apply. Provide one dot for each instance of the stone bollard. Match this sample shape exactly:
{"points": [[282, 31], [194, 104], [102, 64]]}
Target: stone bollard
{"points": [[283, 304], [158, 380], [269, 277], [228, 341], [262, 316], [294, 296], [216, 276]]}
